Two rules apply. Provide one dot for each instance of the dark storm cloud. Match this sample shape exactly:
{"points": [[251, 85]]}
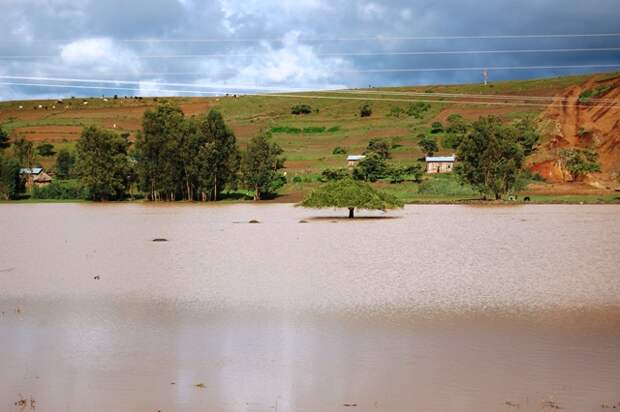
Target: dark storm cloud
{"points": [[88, 40]]}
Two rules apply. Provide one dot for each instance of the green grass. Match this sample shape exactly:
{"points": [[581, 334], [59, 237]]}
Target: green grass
{"points": [[48, 121], [588, 95], [304, 130]]}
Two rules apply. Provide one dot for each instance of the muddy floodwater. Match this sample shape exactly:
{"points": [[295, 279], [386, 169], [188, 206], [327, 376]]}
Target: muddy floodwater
{"points": [[436, 309]]}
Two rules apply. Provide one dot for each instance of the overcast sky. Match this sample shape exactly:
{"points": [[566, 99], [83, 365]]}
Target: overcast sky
{"points": [[257, 45]]}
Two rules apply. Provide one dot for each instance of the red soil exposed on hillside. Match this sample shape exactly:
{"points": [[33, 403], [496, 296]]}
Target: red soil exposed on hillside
{"points": [[594, 125]]}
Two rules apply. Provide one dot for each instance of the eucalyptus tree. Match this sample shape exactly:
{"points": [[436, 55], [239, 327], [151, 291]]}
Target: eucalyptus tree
{"points": [[260, 166], [103, 164]]}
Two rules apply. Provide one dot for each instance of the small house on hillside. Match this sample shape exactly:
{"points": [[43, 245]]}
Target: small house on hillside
{"points": [[352, 160], [35, 176], [440, 164]]}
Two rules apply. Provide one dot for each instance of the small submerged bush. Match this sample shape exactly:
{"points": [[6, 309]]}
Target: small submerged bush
{"points": [[446, 185], [68, 190]]}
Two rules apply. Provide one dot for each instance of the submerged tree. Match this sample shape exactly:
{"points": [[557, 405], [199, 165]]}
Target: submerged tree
{"points": [[260, 166], [157, 149], [102, 163], [10, 181], [218, 158], [491, 157], [195, 158], [350, 194]]}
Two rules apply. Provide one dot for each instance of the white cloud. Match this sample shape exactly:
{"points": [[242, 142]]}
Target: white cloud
{"points": [[406, 14], [150, 88], [371, 11], [293, 65], [100, 55]]}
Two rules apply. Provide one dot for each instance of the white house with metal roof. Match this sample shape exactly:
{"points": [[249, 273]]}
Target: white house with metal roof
{"points": [[353, 159], [30, 171], [440, 164]]}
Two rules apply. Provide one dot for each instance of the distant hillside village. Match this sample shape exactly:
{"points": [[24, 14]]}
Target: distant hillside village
{"points": [[434, 164], [197, 157]]}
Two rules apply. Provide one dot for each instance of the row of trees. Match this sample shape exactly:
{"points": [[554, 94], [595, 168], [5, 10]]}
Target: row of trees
{"points": [[10, 182], [176, 158]]}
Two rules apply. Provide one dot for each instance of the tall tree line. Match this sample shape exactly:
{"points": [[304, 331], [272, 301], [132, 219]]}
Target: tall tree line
{"points": [[174, 158], [181, 158]]}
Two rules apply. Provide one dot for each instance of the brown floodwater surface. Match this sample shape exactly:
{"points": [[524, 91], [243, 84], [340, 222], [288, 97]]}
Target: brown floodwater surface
{"points": [[438, 309]]}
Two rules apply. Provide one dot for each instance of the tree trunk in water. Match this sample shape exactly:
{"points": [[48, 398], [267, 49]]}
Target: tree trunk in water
{"points": [[215, 189], [351, 213]]}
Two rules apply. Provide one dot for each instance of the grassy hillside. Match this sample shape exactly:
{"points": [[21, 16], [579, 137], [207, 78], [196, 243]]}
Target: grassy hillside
{"points": [[308, 140]]}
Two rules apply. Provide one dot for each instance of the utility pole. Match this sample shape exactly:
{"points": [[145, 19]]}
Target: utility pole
{"points": [[485, 75]]}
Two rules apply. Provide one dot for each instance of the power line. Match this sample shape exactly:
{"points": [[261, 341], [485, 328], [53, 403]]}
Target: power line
{"points": [[302, 96], [405, 70], [147, 83], [446, 69], [361, 92], [472, 96], [75, 86], [378, 38], [352, 54]]}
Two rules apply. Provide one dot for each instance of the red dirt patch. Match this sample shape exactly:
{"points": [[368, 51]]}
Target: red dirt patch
{"points": [[578, 188], [48, 133], [550, 170], [595, 126], [394, 132], [245, 131]]}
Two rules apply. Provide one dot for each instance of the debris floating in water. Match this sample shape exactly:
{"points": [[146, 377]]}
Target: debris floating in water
{"points": [[23, 403], [200, 385], [303, 221], [97, 277], [160, 239]]}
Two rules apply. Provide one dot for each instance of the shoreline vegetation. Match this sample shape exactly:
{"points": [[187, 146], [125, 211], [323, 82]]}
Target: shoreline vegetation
{"points": [[607, 199]]}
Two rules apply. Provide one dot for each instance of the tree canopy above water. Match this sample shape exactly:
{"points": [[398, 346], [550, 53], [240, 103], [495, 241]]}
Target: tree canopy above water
{"points": [[350, 194]]}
